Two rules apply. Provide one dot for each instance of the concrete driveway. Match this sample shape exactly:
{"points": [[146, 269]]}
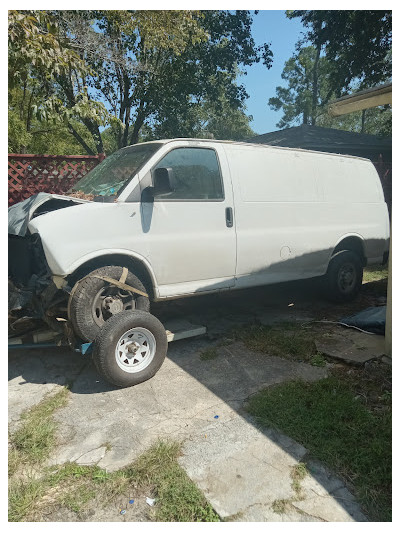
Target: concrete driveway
{"points": [[241, 469]]}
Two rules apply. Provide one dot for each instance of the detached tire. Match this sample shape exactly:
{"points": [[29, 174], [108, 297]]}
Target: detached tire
{"points": [[343, 279], [130, 348], [94, 301]]}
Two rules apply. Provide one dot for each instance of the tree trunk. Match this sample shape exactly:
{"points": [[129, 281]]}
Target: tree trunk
{"points": [[363, 117], [140, 117], [81, 141], [315, 86]]}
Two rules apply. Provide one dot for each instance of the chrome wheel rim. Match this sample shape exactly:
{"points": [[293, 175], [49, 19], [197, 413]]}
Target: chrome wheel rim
{"points": [[135, 350]]}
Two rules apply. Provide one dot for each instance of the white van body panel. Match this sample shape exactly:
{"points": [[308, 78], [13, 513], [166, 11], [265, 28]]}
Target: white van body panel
{"points": [[290, 208], [295, 206]]}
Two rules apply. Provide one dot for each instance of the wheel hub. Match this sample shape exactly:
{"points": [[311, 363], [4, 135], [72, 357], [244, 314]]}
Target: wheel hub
{"points": [[132, 348], [135, 350], [113, 305]]}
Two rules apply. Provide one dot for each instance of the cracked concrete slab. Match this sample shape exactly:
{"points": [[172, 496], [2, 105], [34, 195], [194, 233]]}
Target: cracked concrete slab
{"points": [[181, 400], [241, 469], [352, 346]]}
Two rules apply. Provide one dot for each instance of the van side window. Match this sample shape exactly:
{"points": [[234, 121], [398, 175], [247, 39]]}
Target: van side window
{"points": [[194, 175]]}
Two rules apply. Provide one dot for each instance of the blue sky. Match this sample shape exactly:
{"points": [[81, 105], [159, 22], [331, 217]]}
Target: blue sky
{"points": [[271, 27]]}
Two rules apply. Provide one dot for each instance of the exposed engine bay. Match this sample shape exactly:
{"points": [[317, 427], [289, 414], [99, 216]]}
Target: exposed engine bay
{"points": [[31, 290]]}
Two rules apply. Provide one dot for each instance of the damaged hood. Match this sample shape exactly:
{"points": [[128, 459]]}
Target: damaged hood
{"points": [[21, 213]]}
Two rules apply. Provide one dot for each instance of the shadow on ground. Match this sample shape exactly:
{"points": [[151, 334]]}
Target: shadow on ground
{"points": [[198, 401]]}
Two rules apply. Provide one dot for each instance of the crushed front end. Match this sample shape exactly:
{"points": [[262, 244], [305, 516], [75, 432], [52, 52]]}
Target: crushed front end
{"points": [[31, 289]]}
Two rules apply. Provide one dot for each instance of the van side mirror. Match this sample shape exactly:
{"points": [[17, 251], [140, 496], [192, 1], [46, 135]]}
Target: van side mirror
{"points": [[162, 181]]}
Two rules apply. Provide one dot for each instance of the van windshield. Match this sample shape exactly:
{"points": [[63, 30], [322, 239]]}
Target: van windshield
{"points": [[111, 175]]}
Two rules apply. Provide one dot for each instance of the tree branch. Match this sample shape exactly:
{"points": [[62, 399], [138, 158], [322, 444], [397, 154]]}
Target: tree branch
{"points": [[79, 139]]}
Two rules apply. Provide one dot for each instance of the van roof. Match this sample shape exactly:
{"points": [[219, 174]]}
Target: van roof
{"points": [[258, 145]]}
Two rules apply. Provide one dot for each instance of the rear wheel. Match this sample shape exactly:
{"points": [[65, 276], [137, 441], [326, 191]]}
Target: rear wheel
{"points": [[343, 279], [130, 348], [95, 300]]}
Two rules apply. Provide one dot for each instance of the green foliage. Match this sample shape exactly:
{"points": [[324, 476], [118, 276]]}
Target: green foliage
{"points": [[140, 74], [310, 88], [357, 43], [17, 134], [35, 43], [377, 121], [307, 90], [336, 428]]}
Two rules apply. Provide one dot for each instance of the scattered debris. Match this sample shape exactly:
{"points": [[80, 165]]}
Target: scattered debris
{"points": [[150, 501], [131, 501], [216, 416], [122, 511]]}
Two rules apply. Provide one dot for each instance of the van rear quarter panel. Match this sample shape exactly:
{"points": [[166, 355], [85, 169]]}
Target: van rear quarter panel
{"points": [[293, 207]]}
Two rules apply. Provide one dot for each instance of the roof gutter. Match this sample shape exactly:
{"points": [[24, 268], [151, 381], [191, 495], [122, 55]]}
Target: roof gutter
{"points": [[373, 97]]}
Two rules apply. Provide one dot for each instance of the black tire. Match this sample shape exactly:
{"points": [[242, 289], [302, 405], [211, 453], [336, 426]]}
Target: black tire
{"points": [[343, 279], [88, 310], [121, 367]]}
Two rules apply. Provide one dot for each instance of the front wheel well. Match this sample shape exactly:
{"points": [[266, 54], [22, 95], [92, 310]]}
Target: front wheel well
{"points": [[353, 244], [132, 264]]}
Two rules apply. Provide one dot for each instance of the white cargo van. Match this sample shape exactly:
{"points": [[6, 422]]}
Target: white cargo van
{"points": [[180, 217]]}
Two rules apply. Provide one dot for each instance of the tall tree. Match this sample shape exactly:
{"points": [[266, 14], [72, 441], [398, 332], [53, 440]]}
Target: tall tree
{"points": [[307, 91], [357, 43], [310, 88], [147, 80], [134, 70]]}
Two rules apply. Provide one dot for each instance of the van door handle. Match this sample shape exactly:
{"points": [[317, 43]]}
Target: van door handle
{"points": [[229, 217]]}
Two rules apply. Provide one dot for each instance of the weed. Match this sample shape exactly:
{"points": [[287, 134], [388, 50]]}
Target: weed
{"points": [[297, 474], [279, 506], [208, 354], [179, 500], [318, 360], [23, 495], [32, 442], [234, 517], [289, 340]]}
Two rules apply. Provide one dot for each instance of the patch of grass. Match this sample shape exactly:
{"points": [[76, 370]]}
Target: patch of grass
{"points": [[290, 341], [297, 474], [338, 429], [75, 487], [209, 354], [33, 440], [279, 506], [23, 496], [375, 273], [178, 499], [318, 360]]}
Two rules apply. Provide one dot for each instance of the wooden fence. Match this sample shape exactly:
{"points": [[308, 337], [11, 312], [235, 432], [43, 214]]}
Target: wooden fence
{"points": [[29, 174]]}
